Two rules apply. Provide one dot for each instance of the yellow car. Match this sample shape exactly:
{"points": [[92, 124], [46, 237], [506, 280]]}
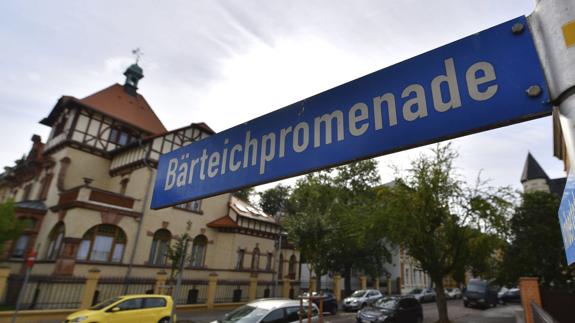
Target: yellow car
{"points": [[126, 309]]}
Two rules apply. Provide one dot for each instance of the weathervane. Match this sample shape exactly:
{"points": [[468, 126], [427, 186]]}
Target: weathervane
{"points": [[138, 52]]}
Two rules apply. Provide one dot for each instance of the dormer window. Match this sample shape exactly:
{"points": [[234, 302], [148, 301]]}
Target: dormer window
{"points": [[120, 137]]}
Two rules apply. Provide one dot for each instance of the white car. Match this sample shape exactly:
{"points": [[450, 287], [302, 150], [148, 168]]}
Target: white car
{"points": [[361, 298], [423, 295], [453, 293], [270, 310]]}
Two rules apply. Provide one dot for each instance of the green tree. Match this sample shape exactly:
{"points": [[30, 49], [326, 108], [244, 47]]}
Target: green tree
{"points": [[10, 226], [245, 194], [536, 245], [275, 201], [308, 225], [176, 251], [436, 217], [331, 220]]}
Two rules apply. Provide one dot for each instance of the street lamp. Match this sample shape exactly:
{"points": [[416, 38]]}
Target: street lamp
{"points": [[277, 262]]}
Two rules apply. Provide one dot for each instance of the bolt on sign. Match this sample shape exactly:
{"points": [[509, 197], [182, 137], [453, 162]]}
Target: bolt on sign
{"points": [[487, 80]]}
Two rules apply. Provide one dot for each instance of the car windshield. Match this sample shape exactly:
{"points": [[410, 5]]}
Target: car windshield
{"points": [[358, 293], [476, 287], [449, 290], [415, 291], [245, 314], [105, 303], [386, 303]]}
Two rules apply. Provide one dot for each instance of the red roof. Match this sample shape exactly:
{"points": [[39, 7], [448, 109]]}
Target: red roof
{"points": [[223, 222], [115, 102]]}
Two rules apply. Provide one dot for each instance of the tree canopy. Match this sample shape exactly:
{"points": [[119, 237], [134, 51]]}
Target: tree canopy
{"points": [[10, 226], [441, 222], [536, 246]]}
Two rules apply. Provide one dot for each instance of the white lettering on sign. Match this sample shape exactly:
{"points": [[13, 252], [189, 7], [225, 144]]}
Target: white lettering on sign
{"points": [[330, 128]]}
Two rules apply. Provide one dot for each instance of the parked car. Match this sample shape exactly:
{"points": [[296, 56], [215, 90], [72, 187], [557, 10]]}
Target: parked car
{"points": [[453, 293], [423, 295], [480, 293], [512, 295], [269, 310], [361, 298], [392, 309], [328, 299], [128, 309]]}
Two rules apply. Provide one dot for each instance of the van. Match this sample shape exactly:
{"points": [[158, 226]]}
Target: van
{"points": [[480, 293]]}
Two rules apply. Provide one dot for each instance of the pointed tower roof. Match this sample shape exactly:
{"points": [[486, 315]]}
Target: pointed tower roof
{"points": [[532, 170], [115, 102]]}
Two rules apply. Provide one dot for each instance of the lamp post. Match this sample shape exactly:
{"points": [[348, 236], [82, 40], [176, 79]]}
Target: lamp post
{"points": [[278, 252]]}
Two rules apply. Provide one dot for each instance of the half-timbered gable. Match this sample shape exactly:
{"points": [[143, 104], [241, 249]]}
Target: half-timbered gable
{"points": [[85, 194]]}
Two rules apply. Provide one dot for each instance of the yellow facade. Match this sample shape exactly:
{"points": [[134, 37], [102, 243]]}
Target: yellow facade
{"points": [[89, 201]]}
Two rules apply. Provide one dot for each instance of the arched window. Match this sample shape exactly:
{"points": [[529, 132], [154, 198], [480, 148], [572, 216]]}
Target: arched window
{"points": [[160, 245], [281, 267], [55, 238], [256, 259], [199, 251], [292, 266], [104, 242]]}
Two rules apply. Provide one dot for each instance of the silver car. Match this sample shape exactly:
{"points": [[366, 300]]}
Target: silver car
{"points": [[270, 310], [361, 298]]}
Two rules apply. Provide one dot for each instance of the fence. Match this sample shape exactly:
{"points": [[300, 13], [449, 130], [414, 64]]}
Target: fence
{"points": [[109, 287], [57, 292], [192, 292], [232, 291], [558, 303], [45, 292], [539, 315]]}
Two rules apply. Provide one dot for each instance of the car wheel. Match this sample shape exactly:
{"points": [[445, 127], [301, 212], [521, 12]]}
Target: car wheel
{"points": [[465, 304], [333, 310], [164, 320]]}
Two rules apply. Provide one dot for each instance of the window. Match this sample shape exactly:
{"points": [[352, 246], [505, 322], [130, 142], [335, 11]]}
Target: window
{"points": [[103, 242], [45, 186], [269, 261], [160, 244], [20, 246], [199, 251], [27, 190], [256, 259], [194, 206], [154, 302], [281, 267], [292, 266], [276, 316], [131, 304], [55, 241], [120, 137], [240, 261], [292, 314]]}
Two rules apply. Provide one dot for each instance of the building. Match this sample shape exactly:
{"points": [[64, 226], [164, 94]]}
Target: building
{"points": [[85, 194], [534, 178]]}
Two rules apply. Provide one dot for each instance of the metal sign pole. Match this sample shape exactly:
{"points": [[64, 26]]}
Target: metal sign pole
{"points": [[553, 26], [20, 293], [179, 281]]}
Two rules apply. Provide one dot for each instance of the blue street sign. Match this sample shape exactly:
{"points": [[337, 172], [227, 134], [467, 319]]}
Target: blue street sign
{"points": [[473, 84], [567, 218]]}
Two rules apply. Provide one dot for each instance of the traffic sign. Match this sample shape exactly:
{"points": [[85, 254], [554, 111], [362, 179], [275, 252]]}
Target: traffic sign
{"points": [[487, 80], [567, 218]]}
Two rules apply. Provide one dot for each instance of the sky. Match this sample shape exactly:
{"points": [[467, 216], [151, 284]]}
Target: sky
{"points": [[227, 62]]}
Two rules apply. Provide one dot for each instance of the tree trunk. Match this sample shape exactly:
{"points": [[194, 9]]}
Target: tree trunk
{"points": [[441, 301], [347, 285], [317, 281]]}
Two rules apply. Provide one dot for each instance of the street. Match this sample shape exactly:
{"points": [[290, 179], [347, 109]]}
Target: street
{"points": [[457, 313]]}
